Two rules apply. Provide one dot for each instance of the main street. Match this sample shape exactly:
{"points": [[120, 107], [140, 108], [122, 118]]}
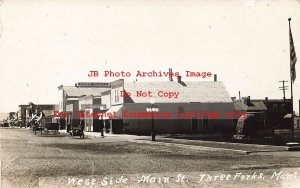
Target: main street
{"points": [[26, 157]]}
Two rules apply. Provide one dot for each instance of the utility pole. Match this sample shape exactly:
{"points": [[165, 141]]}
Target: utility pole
{"points": [[283, 88]]}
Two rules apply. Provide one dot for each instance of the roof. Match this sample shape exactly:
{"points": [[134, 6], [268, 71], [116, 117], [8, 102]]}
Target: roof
{"points": [[79, 91], [48, 113], [272, 100], [239, 106], [189, 91], [257, 106]]}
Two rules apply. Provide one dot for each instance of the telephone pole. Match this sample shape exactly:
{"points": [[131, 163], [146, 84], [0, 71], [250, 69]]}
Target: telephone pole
{"points": [[283, 88]]}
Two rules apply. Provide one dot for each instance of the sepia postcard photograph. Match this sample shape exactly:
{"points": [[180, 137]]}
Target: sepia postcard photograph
{"points": [[149, 93]]}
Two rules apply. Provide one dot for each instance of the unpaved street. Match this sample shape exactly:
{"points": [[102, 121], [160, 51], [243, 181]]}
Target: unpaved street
{"points": [[26, 157]]}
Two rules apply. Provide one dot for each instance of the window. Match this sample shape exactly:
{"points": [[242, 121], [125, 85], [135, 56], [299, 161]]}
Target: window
{"points": [[282, 106], [274, 105], [118, 97]]}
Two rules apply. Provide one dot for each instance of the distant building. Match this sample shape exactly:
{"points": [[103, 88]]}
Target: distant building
{"points": [[32, 109], [270, 114], [69, 100], [22, 114], [277, 112], [13, 118]]}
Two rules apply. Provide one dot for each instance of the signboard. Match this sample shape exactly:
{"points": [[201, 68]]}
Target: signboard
{"points": [[86, 106]]}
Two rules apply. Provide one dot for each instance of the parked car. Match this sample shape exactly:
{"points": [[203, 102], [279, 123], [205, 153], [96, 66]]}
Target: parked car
{"points": [[77, 131]]}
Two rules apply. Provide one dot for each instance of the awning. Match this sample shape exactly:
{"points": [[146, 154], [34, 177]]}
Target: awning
{"points": [[117, 110], [287, 116], [32, 118], [48, 113]]}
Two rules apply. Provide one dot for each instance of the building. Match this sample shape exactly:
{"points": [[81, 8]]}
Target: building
{"points": [[270, 114], [22, 114], [69, 97], [13, 118], [194, 107], [32, 109], [277, 111], [89, 105]]}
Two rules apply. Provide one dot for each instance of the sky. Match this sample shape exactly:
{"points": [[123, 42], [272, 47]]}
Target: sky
{"points": [[47, 43]]}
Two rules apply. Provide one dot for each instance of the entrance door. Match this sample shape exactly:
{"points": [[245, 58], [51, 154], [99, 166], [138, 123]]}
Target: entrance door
{"points": [[194, 125], [88, 120], [96, 121]]}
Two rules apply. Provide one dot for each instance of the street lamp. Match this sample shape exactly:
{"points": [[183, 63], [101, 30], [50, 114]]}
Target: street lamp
{"points": [[102, 123], [152, 108]]}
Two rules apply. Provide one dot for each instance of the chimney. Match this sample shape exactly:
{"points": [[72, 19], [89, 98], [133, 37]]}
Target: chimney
{"points": [[244, 100], [239, 96], [248, 101], [179, 79], [170, 75], [215, 78], [266, 99]]}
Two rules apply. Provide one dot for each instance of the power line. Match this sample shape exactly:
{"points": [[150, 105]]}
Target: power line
{"points": [[283, 88]]}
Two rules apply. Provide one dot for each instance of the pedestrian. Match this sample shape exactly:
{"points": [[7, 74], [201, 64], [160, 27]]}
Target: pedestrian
{"points": [[102, 128], [82, 124]]}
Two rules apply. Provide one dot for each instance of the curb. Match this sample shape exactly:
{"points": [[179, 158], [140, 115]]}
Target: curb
{"points": [[185, 146], [260, 148], [278, 148]]}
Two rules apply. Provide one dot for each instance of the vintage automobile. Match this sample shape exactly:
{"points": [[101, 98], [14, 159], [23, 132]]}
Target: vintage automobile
{"points": [[46, 128], [51, 128], [5, 124], [77, 131]]}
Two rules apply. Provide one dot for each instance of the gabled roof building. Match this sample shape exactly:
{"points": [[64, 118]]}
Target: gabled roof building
{"points": [[184, 107]]}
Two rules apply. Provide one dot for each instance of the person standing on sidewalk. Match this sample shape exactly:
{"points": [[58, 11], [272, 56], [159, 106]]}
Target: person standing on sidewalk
{"points": [[102, 128], [82, 124]]}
